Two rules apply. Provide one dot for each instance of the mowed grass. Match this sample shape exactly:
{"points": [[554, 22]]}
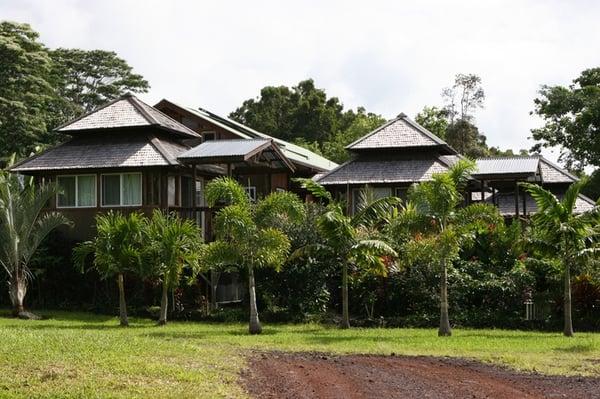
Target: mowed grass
{"points": [[83, 355]]}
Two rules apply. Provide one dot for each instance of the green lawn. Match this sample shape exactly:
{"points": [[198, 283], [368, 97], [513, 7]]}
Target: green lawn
{"points": [[83, 355]]}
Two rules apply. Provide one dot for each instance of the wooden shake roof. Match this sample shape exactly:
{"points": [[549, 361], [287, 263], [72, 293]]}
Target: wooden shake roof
{"points": [[400, 133], [125, 112]]}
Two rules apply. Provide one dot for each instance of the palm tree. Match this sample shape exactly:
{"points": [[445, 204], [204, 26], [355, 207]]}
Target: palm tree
{"points": [[246, 237], [23, 226], [438, 227], [351, 240], [118, 248], [564, 234], [174, 245]]}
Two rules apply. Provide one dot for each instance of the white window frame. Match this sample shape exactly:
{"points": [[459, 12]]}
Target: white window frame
{"points": [[121, 190], [251, 191], [77, 192], [212, 133]]}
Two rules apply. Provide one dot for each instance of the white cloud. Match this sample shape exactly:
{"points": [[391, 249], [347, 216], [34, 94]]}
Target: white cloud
{"points": [[386, 56]]}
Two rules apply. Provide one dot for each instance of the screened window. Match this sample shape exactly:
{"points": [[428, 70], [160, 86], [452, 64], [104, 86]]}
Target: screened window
{"points": [[123, 189], [76, 191]]}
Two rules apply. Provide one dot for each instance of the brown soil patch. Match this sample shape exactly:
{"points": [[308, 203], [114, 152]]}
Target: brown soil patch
{"points": [[312, 375]]}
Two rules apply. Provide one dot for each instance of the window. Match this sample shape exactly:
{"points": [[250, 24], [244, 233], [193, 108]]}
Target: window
{"points": [[153, 188], [124, 189], [209, 136], [76, 191], [172, 191], [251, 191], [401, 192]]}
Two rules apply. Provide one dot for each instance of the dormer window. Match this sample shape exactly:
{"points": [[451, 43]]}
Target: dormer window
{"points": [[209, 136]]}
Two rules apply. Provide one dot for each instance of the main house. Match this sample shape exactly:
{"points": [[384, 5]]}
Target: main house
{"points": [[402, 152], [130, 156]]}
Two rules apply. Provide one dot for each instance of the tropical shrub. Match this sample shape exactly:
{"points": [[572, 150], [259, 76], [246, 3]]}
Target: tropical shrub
{"points": [[23, 227]]}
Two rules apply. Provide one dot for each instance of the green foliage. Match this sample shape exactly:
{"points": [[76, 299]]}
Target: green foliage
{"points": [[26, 90], [119, 246], [433, 119], [174, 245], [23, 227], [305, 115], [465, 138], [572, 119], [42, 88], [89, 79]]}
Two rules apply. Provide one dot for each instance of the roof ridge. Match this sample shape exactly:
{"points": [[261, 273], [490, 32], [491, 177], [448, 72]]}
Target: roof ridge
{"points": [[133, 100], [155, 142]]}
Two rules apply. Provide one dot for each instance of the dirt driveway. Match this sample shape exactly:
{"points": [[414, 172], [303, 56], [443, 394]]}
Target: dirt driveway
{"points": [[310, 375]]}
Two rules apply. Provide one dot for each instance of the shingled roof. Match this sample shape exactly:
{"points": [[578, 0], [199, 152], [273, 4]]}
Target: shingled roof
{"points": [[533, 165], [373, 171], [400, 132], [124, 112]]}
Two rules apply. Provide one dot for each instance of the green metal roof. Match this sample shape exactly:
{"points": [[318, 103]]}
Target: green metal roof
{"points": [[297, 154]]}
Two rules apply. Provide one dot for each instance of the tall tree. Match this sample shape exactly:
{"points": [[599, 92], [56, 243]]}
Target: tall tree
{"points": [[25, 89], [23, 226], [174, 245], [246, 237], [564, 234], [464, 97], [89, 79], [118, 249], [572, 119], [438, 227], [349, 240]]}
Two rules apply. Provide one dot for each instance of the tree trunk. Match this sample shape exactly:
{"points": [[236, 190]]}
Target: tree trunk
{"points": [[568, 329], [445, 330], [17, 289], [255, 327], [122, 304], [164, 305], [345, 314]]}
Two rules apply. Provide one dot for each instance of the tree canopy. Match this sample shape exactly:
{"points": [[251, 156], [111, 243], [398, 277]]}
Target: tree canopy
{"points": [[572, 119], [304, 114], [41, 88]]}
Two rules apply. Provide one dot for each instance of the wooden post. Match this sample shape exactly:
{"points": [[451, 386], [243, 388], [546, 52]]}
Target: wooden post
{"points": [[348, 204], [482, 191], [516, 199], [494, 196], [524, 204]]}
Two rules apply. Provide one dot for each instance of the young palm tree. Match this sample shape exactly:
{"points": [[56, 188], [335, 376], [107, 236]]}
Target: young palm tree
{"points": [[246, 237], [174, 245], [23, 226], [439, 227], [351, 240], [565, 234], [118, 248]]}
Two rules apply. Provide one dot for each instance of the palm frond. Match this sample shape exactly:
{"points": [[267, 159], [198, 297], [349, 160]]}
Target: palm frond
{"points": [[314, 188], [572, 194], [460, 173], [277, 207], [377, 211]]}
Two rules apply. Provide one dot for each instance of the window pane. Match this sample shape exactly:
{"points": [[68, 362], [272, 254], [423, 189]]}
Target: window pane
{"points": [[111, 190], [86, 190], [171, 190], [132, 189], [66, 191]]}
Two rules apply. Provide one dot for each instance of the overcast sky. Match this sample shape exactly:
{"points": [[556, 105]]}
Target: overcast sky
{"points": [[388, 56]]}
